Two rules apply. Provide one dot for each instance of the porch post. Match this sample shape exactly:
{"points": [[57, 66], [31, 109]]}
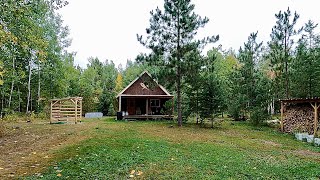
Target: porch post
{"points": [[282, 114], [172, 106], [120, 103], [315, 128], [147, 106]]}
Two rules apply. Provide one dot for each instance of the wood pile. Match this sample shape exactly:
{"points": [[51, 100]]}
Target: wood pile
{"points": [[299, 118]]}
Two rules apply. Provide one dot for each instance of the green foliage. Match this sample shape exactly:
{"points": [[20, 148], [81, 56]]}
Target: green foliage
{"points": [[281, 44], [171, 37], [305, 64], [13, 117], [33, 56], [250, 87], [259, 111], [167, 107]]}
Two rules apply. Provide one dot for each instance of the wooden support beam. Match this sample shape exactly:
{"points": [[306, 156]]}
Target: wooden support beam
{"points": [[172, 106], [80, 109], [315, 127], [282, 114], [120, 99], [147, 106], [76, 111], [51, 112]]}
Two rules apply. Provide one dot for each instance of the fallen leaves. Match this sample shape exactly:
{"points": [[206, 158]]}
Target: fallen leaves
{"points": [[134, 173], [139, 173]]}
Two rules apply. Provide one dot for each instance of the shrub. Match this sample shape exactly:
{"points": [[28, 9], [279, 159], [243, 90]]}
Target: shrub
{"points": [[258, 116], [14, 117], [41, 116]]}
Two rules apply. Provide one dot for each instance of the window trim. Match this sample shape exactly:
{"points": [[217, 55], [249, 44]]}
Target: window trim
{"points": [[155, 100]]}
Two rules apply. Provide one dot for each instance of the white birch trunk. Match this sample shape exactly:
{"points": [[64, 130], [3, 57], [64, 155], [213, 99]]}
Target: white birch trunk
{"points": [[12, 83], [29, 87]]}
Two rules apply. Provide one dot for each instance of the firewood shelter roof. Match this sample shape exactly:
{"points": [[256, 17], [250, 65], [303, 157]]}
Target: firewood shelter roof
{"points": [[301, 100]]}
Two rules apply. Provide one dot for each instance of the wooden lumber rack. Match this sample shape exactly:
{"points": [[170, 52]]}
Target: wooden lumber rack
{"points": [[307, 104], [66, 110]]}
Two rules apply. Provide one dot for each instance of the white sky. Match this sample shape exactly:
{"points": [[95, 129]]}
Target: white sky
{"points": [[107, 28]]}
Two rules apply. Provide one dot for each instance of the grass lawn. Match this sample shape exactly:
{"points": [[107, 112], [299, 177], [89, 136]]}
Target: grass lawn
{"points": [[154, 150]]}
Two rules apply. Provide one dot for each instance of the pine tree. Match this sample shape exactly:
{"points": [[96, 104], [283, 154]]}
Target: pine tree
{"points": [[305, 64], [171, 36], [281, 47], [249, 57]]}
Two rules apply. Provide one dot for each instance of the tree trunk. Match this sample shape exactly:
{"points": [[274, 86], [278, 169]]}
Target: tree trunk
{"points": [[19, 96], [179, 97], [29, 87], [286, 59], [39, 86], [12, 83], [197, 106], [179, 72], [310, 66], [287, 80], [2, 103]]}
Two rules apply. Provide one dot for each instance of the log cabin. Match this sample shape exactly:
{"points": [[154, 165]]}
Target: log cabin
{"points": [[143, 98]]}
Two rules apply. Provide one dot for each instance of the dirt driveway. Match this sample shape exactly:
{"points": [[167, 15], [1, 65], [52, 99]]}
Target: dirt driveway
{"points": [[28, 148]]}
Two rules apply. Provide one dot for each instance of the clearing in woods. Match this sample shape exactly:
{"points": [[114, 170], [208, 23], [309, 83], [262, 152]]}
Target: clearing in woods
{"points": [[108, 149]]}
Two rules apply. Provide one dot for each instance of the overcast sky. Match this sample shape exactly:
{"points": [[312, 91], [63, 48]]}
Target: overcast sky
{"points": [[107, 28]]}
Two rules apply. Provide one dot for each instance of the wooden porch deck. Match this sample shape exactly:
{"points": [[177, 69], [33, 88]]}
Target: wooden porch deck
{"points": [[148, 117]]}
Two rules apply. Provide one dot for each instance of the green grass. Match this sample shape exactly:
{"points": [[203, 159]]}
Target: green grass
{"points": [[236, 151]]}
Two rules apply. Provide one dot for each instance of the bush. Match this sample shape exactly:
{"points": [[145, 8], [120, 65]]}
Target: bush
{"points": [[258, 116], [41, 115], [235, 111], [12, 117], [167, 107]]}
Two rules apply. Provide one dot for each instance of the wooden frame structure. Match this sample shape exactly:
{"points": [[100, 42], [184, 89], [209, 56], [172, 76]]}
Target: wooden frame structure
{"points": [[66, 109], [314, 102]]}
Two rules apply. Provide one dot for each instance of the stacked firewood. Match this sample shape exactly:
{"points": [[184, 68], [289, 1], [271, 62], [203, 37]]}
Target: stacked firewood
{"points": [[299, 118]]}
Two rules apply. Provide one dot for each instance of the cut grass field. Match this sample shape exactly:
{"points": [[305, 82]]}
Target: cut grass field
{"points": [[155, 150]]}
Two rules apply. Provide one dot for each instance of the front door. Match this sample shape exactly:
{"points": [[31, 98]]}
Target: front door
{"points": [[131, 106]]}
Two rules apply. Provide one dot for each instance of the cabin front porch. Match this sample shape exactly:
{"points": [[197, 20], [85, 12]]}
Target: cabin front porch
{"points": [[144, 107]]}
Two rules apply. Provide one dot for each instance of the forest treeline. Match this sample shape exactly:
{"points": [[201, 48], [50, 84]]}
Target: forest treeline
{"points": [[36, 67]]}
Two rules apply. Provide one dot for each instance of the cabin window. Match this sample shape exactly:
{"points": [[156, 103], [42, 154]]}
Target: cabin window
{"points": [[155, 102]]}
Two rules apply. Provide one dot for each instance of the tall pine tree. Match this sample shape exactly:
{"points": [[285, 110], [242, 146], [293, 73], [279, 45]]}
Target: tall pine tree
{"points": [[281, 47], [171, 36]]}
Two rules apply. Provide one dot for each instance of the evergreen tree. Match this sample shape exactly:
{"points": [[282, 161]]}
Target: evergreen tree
{"points": [[250, 86], [305, 65], [171, 37], [281, 48], [210, 98], [248, 57]]}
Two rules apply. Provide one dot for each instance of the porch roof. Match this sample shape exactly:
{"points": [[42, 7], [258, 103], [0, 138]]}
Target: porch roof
{"points": [[146, 96]]}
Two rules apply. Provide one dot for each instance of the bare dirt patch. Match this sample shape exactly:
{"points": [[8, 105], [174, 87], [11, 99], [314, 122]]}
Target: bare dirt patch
{"points": [[30, 147], [271, 143], [307, 153]]}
